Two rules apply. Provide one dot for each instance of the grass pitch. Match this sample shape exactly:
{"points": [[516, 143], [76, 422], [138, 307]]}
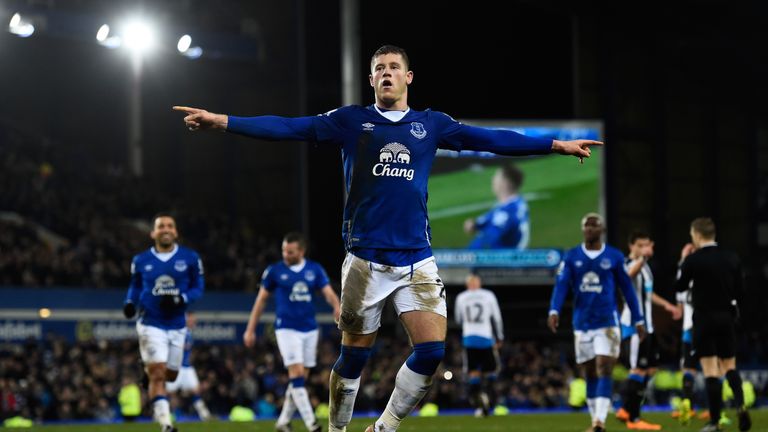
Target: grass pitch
{"points": [[550, 422]]}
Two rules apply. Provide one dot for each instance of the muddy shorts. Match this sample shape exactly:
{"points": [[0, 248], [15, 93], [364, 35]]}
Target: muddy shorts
{"points": [[365, 287], [604, 341]]}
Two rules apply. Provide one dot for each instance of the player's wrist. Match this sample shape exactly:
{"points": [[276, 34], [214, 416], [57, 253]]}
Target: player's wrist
{"points": [[557, 146], [553, 312]]}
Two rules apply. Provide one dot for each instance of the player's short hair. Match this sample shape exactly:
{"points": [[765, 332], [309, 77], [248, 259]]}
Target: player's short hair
{"points": [[637, 235], [513, 174], [296, 237], [705, 227], [592, 215], [391, 49], [162, 214]]}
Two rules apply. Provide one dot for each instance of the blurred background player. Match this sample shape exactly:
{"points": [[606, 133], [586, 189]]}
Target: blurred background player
{"points": [[591, 272], [482, 330], [294, 282], [164, 280], [187, 381], [715, 281], [506, 225], [640, 357]]}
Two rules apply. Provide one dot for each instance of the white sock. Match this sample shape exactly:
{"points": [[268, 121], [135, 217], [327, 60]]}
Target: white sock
{"points": [[286, 414], [301, 399], [342, 401], [591, 404], [601, 408], [202, 410], [162, 412], [410, 388]]}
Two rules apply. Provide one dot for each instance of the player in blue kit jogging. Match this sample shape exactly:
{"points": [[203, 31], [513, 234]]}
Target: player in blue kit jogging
{"points": [[387, 150], [294, 282], [165, 279], [591, 271]]}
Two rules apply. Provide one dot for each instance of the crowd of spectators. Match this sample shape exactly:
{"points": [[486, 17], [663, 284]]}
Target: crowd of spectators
{"points": [[57, 380], [67, 222]]}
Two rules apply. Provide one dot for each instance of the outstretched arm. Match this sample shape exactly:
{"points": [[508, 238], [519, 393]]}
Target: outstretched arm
{"points": [[265, 127], [459, 137]]}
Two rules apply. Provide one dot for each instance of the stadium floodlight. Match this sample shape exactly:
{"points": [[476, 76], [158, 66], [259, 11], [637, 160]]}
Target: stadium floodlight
{"points": [[104, 39], [139, 36], [186, 49], [184, 43], [103, 33], [20, 27], [448, 375]]}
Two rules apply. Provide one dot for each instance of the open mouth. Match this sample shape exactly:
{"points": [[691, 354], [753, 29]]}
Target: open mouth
{"points": [[386, 84]]}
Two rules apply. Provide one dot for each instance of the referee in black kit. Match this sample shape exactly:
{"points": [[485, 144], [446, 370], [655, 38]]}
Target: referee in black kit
{"points": [[715, 281]]}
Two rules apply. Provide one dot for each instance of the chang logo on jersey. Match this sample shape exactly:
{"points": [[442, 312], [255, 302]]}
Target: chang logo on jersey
{"points": [[591, 283], [165, 285], [390, 156], [300, 292]]}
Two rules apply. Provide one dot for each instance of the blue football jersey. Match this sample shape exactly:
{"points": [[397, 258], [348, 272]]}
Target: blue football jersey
{"points": [[593, 283], [506, 225], [387, 164], [294, 293], [151, 278]]}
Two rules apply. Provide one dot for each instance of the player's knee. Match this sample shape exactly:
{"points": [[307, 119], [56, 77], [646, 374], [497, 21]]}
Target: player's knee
{"points": [[156, 372], [351, 362], [426, 357], [171, 375]]}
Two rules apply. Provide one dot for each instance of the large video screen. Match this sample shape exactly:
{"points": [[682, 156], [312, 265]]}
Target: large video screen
{"points": [[487, 210]]}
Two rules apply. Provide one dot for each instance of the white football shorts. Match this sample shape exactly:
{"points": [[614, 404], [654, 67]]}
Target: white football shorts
{"points": [[297, 347], [604, 341], [161, 346], [365, 287]]}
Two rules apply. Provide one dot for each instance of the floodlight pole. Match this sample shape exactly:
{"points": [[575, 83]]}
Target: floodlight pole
{"points": [[134, 114], [350, 52]]}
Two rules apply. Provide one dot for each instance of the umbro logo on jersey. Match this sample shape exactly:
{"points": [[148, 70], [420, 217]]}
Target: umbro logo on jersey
{"points": [[417, 130], [394, 154], [148, 268], [368, 126], [283, 276], [578, 263]]}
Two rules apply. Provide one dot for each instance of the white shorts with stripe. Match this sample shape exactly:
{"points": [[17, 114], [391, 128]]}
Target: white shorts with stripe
{"points": [[366, 286]]}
